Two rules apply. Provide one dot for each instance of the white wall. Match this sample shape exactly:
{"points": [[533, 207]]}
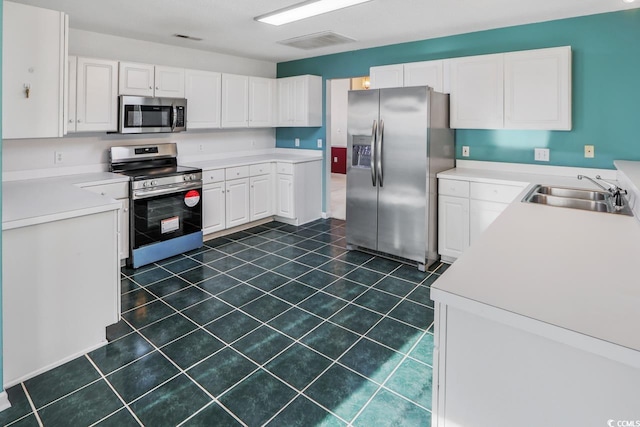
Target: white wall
{"points": [[339, 99], [89, 151], [96, 45]]}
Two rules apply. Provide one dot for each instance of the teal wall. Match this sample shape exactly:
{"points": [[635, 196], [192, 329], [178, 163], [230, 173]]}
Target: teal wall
{"points": [[606, 88]]}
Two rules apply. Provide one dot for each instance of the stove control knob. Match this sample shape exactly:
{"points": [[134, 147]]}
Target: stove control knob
{"points": [[154, 182], [145, 184]]}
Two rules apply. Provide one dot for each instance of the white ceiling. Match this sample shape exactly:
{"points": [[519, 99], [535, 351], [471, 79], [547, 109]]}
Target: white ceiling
{"points": [[227, 26]]}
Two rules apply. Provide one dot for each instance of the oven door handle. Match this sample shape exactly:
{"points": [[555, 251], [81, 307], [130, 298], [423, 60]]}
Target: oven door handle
{"points": [[145, 194]]}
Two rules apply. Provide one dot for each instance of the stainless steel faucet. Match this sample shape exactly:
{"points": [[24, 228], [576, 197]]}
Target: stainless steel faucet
{"points": [[615, 191]]}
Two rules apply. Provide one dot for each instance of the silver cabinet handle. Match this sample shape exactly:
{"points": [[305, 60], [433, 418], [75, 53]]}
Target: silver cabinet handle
{"points": [[379, 155], [374, 135], [150, 87], [157, 87], [79, 121]]}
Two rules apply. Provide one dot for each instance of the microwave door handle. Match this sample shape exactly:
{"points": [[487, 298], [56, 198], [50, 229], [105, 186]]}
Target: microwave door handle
{"points": [[174, 116]]}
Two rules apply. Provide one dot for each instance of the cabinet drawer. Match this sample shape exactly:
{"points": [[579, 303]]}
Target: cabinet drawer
{"points": [[452, 187], [285, 168], [260, 169], [215, 175], [494, 192], [237, 172], [118, 190]]}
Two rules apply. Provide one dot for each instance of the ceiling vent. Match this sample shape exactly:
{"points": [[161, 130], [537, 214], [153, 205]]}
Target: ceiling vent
{"points": [[183, 36], [317, 40]]}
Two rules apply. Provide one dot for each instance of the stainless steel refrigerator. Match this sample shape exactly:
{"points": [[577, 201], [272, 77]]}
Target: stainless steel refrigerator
{"points": [[398, 140]]}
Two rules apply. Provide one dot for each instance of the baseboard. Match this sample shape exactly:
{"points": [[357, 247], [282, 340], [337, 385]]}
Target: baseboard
{"points": [[4, 401]]}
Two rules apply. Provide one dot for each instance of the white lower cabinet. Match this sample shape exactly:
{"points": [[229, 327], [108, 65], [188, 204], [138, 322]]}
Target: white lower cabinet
{"points": [[299, 192], [233, 196], [466, 209], [120, 192], [214, 207], [286, 208], [237, 202], [453, 226]]}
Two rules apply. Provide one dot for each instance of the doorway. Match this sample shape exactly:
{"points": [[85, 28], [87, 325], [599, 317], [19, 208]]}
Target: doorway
{"points": [[337, 103]]}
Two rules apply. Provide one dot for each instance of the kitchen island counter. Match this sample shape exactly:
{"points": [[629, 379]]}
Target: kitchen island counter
{"points": [[548, 291], [35, 201]]}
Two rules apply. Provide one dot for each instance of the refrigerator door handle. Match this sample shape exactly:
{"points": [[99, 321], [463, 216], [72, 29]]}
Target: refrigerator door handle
{"points": [[379, 146], [374, 135]]}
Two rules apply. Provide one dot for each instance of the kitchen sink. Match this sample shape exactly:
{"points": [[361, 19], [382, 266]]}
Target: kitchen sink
{"points": [[572, 193], [576, 198]]}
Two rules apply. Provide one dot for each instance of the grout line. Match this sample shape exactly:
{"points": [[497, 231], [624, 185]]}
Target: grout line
{"points": [[33, 407], [115, 392]]}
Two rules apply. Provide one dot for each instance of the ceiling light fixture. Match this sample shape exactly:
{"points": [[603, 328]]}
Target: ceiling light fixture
{"points": [[304, 10], [628, 1]]}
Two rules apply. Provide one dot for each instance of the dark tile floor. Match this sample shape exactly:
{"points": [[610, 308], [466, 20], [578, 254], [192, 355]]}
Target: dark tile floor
{"points": [[277, 325]]}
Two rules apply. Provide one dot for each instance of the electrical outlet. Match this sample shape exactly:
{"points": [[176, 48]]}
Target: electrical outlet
{"points": [[319, 143], [589, 151], [253, 143], [465, 151], [541, 154], [201, 147], [58, 157], [297, 142]]}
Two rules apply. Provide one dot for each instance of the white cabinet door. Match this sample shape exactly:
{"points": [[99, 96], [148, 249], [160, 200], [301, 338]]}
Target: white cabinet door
{"points": [[286, 206], [425, 73], [285, 98], [70, 101], [261, 196], [237, 202], [235, 97], [537, 89], [453, 225], [387, 76], [169, 82], [136, 79], [33, 80], [477, 92], [202, 90], [300, 101], [213, 207], [97, 95], [261, 101]]}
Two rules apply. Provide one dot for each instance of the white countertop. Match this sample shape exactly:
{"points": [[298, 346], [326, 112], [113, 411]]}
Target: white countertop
{"points": [[286, 157], [36, 201], [572, 269]]}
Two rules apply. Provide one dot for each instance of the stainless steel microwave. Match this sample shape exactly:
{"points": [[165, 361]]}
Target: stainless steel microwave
{"points": [[140, 114]]}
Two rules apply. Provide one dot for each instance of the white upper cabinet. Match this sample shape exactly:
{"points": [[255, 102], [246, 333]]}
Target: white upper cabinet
{"points": [[151, 80], [136, 79], [70, 99], [537, 89], [387, 76], [516, 90], [34, 58], [477, 92], [202, 90], [235, 101], [96, 95], [261, 101], [169, 82], [300, 101], [425, 73]]}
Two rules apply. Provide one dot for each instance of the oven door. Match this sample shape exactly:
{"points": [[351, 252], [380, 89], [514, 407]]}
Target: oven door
{"points": [[165, 222]]}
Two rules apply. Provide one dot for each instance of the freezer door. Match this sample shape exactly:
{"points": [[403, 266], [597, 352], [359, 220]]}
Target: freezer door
{"points": [[362, 191], [402, 196]]}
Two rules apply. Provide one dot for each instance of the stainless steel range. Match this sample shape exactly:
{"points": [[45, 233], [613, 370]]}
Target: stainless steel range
{"points": [[165, 202]]}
